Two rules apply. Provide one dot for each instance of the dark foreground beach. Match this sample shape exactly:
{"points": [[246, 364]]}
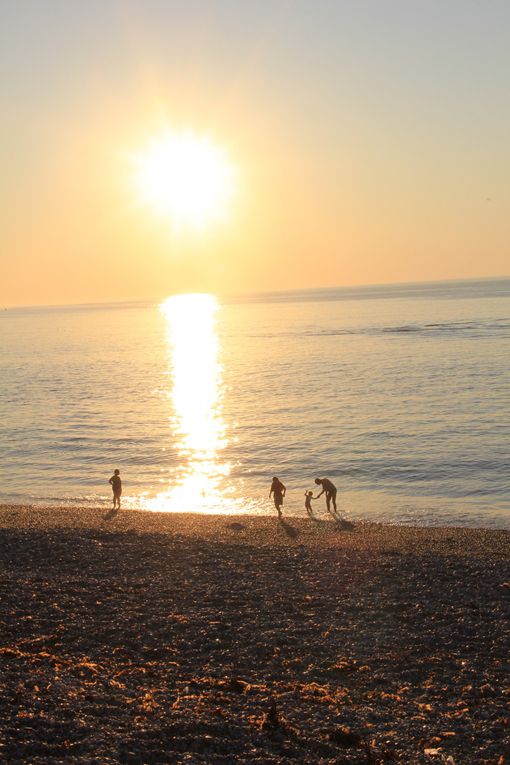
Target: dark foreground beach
{"points": [[171, 638]]}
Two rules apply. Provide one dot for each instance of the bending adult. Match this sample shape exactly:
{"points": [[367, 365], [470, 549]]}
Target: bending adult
{"points": [[278, 491], [329, 489]]}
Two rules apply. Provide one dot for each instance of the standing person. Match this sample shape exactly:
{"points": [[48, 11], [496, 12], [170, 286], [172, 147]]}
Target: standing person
{"points": [[278, 491], [308, 501], [116, 485], [329, 489]]}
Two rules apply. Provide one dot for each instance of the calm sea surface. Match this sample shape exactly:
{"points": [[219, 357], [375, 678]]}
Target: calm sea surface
{"points": [[400, 395]]}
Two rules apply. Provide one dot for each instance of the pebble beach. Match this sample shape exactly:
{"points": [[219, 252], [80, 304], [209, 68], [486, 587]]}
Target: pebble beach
{"points": [[147, 638]]}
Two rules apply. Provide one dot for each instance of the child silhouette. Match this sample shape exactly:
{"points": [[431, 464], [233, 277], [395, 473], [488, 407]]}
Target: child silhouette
{"points": [[308, 501], [116, 485]]}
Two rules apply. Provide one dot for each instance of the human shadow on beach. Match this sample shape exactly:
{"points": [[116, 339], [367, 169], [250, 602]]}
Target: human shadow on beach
{"points": [[111, 514], [342, 525], [289, 530]]}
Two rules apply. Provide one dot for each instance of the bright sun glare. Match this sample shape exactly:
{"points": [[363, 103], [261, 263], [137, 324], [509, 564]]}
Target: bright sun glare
{"points": [[198, 428], [185, 177]]}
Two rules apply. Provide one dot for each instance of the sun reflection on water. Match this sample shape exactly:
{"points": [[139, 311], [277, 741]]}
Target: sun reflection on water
{"points": [[196, 422]]}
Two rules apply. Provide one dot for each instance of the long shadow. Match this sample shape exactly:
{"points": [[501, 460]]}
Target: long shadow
{"points": [[289, 530], [342, 524], [110, 515]]}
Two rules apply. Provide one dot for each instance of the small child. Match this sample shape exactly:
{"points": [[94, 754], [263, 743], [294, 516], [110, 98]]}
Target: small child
{"points": [[116, 485], [308, 501]]}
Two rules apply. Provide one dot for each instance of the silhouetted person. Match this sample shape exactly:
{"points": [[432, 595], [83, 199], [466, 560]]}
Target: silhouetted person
{"points": [[116, 485], [278, 491], [308, 501], [330, 490]]}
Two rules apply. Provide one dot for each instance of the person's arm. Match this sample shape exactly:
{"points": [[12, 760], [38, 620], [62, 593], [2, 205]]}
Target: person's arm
{"points": [[111, 481], [284, 489], [270, 492], [320, 495]]}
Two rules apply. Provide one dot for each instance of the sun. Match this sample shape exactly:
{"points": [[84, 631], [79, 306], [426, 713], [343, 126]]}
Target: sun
{"points": [[185, 177]]}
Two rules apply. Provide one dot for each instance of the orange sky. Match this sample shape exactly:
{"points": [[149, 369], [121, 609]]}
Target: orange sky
{"points": [[371, 147]]}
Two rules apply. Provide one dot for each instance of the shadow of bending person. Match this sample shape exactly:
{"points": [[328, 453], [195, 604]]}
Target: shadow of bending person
{"points": [[342, 525], [290, 531], [111, 514]]}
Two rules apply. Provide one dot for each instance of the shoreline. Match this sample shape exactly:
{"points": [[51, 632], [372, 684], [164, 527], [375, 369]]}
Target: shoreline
{"points": [[363, 510], [154, 637], [321, 528]]}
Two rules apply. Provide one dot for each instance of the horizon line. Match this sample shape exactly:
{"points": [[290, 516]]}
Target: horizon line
{"points": [[259, 293]]}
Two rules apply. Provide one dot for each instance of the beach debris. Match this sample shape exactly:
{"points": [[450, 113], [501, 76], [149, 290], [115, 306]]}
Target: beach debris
{"points": [[236, 526], [272, 718], [343, 735], [236, 685]]}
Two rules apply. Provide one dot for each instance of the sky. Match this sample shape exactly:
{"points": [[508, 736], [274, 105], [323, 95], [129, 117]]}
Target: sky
{"points": [[369, 137]]}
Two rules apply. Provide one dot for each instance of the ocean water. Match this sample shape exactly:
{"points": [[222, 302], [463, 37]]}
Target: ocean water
{"points": [[399, 394]]}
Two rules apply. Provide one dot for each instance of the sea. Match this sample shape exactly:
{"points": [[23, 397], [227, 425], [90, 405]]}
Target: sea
{"points": [[399, 394]]}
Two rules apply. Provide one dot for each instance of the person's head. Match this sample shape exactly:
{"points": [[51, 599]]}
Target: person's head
{"points": [[309, 493], [275, 478], [116, 472], [318, 481]]}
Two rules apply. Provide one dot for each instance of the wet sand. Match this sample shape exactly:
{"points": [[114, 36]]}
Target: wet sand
{"points": [[172, 638]]}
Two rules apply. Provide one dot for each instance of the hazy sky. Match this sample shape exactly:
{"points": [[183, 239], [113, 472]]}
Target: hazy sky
{"points": [[371, 139]]}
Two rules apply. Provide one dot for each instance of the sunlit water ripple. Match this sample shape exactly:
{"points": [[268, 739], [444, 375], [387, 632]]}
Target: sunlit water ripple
{"points": [[400, 395]]}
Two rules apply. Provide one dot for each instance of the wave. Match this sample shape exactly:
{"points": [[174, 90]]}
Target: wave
{"points": [[476, 328], [454, 326]]}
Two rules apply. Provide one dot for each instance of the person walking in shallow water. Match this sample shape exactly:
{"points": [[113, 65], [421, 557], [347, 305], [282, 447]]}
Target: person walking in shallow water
{"points": [[329, 489], [278, 491], [116, 485]]}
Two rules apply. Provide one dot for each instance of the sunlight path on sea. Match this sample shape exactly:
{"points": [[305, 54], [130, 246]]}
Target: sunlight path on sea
{"points": [[195, 395]]}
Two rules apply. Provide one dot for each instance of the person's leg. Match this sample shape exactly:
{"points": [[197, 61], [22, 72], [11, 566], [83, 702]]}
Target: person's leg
{"points": [[328, 500], [333, 497]]}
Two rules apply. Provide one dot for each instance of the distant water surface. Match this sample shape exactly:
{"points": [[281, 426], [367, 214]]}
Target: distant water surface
{"points": [[400, 394]]}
